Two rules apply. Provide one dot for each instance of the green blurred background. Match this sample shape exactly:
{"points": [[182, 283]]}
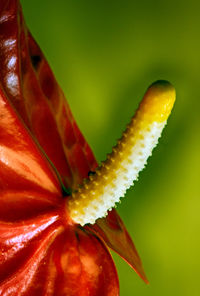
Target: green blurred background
{"points": [[104, 55]]}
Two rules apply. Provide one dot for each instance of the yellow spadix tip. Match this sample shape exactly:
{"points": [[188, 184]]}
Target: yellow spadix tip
{"points": [[158, 101]]}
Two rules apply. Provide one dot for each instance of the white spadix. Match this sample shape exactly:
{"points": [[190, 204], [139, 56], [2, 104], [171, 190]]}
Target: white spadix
{"points": [[117, 173]]}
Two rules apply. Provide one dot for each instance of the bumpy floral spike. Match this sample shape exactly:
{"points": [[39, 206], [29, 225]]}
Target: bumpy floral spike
{"points": [[128, 158]]}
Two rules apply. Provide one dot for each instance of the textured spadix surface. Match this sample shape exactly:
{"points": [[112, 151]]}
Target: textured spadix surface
{"points": [[128, 158]]}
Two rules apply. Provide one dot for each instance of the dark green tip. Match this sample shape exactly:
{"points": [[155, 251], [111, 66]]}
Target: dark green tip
{"points": [[164, 84]]}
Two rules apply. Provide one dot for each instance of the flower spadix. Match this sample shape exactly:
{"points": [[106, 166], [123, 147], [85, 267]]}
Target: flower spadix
{"points": [[102, 190]]}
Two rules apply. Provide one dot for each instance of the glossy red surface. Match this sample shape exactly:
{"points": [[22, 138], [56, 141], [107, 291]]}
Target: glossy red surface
{"points": [[42, 252]]}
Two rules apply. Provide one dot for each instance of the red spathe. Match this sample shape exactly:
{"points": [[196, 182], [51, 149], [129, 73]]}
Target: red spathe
{"points": [[42, 252]]}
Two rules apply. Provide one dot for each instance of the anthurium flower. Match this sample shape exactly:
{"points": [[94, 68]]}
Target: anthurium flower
{"points": [[55, 229]]}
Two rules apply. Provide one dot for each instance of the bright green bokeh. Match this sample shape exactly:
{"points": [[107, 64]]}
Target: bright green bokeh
{"points": [[104, 55]]}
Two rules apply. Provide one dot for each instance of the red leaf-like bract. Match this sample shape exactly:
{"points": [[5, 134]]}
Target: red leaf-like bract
{"points": [[41, 147]]}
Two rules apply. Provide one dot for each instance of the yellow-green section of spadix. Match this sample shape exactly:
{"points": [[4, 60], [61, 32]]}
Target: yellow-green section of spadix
{"points": [[157, 102]]}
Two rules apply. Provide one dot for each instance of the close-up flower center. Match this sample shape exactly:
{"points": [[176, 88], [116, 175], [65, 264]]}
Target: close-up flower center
{"points": [[57, 206]]}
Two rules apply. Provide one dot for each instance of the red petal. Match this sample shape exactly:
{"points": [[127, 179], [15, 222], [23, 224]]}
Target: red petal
{"points": [[40, 102], [23, 249], [40, 258], [19, 239], [29, 83], [27, 181], [112, 230], [85, 266], [79, 156]]}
